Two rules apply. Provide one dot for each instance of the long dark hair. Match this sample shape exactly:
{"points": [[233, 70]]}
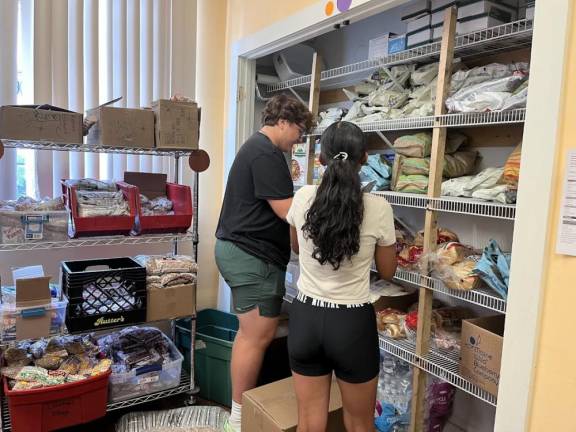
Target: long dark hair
{"points": [[334, 218]]}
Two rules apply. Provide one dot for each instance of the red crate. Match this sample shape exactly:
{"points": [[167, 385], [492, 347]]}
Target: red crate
{"points": [[100, 225], [57, 407], [179, 222]]}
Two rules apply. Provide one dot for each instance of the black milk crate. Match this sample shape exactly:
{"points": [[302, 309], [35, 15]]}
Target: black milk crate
{"points": [[104, 293]]}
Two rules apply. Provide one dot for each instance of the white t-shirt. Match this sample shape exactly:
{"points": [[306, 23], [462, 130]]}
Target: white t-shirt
{"points": [[350, 284]]}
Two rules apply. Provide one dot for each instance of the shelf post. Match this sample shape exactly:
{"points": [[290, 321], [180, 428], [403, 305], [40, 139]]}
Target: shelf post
{"points": [[430, 225], [313, 106]]}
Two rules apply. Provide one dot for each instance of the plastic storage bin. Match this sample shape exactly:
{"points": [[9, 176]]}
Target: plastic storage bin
{"points": [[180, 221], [215, 333], [100, 225], [33, 226], [10, 313], [147, 379], [104, 293], [57, 407]]}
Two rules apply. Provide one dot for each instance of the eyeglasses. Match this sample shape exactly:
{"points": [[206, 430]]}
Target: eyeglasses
{"points": [[301, 130]]}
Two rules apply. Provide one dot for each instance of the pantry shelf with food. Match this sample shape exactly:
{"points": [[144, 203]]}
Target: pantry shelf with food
{"points": [[441, 364], [450, 205], [460, 120], [99, 304], [505, 37], [445, 153], [99, 241]]}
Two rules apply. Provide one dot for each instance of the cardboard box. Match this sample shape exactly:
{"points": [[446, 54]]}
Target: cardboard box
{"points": [[481, 7], [40, 123], [401, 303], [481, 351], [418, 24], [150, 185], [32, 297], [415, 9], [177, 124], [421, 37], [273, 408], [122, 127], [397, 44], [474, 24], [171, 302], [378, 47]]}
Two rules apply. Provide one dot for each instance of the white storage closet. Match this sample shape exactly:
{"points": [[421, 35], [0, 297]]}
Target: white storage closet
{"points": [[344, 53]]}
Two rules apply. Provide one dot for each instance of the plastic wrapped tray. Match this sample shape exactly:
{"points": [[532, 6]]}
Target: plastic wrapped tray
{"points": [[190, 419]]}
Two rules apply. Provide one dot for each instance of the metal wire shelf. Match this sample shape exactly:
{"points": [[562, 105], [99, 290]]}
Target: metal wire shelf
{"points": [[56, 146], [183, 387], [99, 241], [476, 119], [481, 297], [450, 205], [508, 36], [444, 365]]}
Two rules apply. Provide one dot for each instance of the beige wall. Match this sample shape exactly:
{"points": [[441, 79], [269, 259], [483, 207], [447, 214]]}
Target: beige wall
{"points": [[554, 397], [210, 82], [220, 24]]}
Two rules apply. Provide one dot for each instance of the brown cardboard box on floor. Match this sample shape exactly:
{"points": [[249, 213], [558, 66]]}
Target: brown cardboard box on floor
{"points": [[121, 127], [177, 124], [273, 408], [40, 123], [481, 351], [170, 302]]}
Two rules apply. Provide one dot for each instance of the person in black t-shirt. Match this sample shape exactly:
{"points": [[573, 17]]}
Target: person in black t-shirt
{"points": [[253, 238]]}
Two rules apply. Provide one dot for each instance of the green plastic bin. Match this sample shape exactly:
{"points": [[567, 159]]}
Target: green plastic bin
{"points": [[217, 330]]}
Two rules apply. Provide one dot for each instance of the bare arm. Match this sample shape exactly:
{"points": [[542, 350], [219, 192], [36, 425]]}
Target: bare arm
{"points": [[280, 207], [385, 259], [294, 240]]}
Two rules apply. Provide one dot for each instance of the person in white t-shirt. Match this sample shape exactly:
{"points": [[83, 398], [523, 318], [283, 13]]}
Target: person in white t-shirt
{"points": [[338, 231]]}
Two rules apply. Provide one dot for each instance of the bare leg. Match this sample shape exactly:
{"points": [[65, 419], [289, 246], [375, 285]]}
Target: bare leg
{"points": [[255, 334], [313, 395], [359, 401]]}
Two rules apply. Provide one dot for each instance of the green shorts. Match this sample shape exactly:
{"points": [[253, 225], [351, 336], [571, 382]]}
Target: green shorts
{"points": [[254, 282]]}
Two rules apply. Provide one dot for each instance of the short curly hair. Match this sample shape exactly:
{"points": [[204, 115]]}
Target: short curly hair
{"points": [[282, 107]]}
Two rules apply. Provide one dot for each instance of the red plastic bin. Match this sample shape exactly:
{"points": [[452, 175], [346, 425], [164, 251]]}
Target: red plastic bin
{"points": [[179, 222], [100, 225], [57, 407]]}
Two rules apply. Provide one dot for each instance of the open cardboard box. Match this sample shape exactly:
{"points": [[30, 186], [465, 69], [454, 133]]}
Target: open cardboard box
{"points": [[273, 408], [32, 300]]}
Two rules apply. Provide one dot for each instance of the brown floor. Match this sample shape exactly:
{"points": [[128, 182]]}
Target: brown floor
{"points": [[107, 424]]}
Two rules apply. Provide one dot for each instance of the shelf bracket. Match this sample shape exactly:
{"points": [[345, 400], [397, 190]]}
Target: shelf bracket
{"points": [[385, 139]]}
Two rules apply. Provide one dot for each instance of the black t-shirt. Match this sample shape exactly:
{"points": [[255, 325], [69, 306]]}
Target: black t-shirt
{"points": [[259, 173]]}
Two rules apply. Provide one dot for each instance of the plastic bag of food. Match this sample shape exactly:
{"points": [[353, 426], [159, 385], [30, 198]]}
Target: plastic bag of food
{"points": [[466, 185], [395, 77], [511, 173], [387, 98], [494, 268], [461, 277], [419, 145], [518, 98], [486, 96], [391, 323], [417, 184], [459, 164], [416, 145], [444, 236], [424, 74], [366, 87], [355, 112]]}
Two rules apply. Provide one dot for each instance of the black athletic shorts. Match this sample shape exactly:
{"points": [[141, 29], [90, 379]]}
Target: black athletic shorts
{"points": [[326, 338]]}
